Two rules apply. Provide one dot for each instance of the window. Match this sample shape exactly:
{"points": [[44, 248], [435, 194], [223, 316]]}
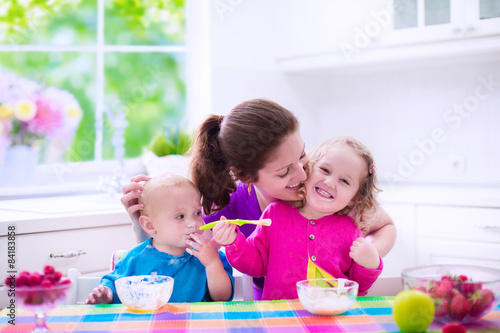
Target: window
{"points": [[120, 59]]}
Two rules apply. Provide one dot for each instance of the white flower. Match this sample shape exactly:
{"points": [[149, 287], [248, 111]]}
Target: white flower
{"points": [[25, 110]]}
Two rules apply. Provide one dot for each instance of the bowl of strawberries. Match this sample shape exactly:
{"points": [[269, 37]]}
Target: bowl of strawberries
{"points": [[461, 293]]}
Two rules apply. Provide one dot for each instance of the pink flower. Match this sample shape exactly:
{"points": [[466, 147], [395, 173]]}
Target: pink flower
{"points": [[48, 118]]}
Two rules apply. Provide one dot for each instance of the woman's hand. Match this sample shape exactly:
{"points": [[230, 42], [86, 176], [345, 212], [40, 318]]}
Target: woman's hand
{"points": [[131, 194], [364, 253], [382, 232], [225, 233]]}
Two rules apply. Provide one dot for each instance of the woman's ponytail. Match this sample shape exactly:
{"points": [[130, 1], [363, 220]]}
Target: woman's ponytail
{"points": [[209, 168]]}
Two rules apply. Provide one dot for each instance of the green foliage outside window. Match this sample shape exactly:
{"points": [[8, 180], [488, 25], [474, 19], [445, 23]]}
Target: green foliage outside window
{"points": [[149, 87]]}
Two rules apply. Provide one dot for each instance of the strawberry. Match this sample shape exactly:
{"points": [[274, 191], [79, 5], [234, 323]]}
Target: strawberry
{"points": [[469, 288], [482, 301], [459, 306], [454, 328], [442, 309], [444, 289]]}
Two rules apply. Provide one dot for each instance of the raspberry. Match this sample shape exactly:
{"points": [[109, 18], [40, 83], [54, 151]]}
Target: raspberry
{"points": [[22, 280], [34, 280], [48, 269], [57, 276], [46, 283]]}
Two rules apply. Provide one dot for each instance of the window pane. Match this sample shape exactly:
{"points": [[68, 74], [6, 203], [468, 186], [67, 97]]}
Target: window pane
{"points": [[145, 22], [405, 14], [57, 23], [69, 71], [489, 9], [437, 12], [150, 87]]}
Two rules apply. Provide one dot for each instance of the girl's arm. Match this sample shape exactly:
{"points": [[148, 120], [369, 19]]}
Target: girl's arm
{"points": [[382, 232]]}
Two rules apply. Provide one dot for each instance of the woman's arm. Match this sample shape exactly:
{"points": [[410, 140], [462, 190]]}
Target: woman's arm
{"points": [[382, 232], [130, 200]]}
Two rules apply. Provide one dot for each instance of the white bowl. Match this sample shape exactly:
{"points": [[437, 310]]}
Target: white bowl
{"points": [[144, 292], [327, 296]]}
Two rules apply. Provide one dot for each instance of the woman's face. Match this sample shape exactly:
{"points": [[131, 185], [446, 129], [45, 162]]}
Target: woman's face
{"points": [[279, 179]]}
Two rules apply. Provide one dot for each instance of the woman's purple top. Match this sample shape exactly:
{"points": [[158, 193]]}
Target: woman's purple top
{"points": [[242, 206]]}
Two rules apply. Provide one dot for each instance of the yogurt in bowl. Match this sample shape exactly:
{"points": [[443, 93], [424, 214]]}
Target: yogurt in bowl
{"points": [[144, 292], [327, 297]]}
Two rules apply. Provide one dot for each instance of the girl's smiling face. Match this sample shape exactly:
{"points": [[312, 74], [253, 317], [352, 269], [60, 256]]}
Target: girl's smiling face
{"points": [[280, 178], [334, 181]]}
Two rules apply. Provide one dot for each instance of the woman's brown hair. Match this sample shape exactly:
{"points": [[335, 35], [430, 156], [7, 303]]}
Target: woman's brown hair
{"points": [[236, 147]]}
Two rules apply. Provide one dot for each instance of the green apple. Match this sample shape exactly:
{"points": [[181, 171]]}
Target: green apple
{"points": [[413, 311]]}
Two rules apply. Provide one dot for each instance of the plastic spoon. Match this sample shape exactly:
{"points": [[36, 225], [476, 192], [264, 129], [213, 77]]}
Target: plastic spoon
{"points": [[266, 222]]}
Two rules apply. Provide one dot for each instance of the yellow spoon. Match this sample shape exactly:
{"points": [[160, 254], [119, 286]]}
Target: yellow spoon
{"points": [[266, 222]]}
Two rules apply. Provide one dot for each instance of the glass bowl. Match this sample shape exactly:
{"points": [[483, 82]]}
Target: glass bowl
{"points": [[144, 292], [327, 296], [461, 293], [40, 299]]}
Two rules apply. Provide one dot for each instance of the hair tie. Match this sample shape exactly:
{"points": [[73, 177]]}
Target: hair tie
{"points": [[221, 118], [373, 169]]}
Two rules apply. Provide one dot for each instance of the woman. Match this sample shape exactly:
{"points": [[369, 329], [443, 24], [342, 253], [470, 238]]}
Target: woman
{"points": [[244, 161]]}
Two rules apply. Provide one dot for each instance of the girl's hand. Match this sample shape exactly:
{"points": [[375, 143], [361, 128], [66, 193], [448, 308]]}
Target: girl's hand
{"points": [[100, 295], [364, 253], [225, 233], [203, 249], [131, 194]]}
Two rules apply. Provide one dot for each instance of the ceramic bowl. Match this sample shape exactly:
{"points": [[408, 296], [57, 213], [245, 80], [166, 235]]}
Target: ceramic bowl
{"points": [[461, 293], [144, 292], [327, 296]]}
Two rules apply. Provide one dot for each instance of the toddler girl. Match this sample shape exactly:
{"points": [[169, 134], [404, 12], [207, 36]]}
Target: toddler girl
{"points": [[322, 236]]}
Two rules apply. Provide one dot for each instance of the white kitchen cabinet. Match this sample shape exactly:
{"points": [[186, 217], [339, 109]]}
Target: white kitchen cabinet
{"points": [[417, 21], [466, 28], [458, 235]]}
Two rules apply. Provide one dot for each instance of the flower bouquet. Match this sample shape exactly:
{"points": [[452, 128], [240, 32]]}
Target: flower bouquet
{"points": [[35, 116]]}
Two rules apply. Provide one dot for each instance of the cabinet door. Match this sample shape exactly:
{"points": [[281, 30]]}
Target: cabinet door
{"points": [[34, 251], [416, 21], [482, 17], [458, 235], [432, 251], [403, 254]]}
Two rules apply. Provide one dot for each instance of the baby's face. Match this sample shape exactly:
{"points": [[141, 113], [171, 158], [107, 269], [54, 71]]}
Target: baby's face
{"points": [[175, 215], [334, 181]]}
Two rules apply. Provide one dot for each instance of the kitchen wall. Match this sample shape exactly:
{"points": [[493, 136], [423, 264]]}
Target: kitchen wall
{"points": [[405, 112]]}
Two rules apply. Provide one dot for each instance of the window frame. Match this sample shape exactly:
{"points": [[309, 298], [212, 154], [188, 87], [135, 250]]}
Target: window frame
{"points": [[86, 177]]}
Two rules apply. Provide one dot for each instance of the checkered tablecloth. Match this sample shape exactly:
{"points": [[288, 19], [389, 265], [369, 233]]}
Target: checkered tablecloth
{"points": [[368, 314]]}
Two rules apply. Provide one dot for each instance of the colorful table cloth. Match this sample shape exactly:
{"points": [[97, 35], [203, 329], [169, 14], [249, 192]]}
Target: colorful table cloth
{"points": [[368, 314]]}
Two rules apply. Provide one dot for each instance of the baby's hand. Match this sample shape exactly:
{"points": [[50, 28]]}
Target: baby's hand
{"points": [[100, 295], [203, 249], [225, 233], [364, 253]]}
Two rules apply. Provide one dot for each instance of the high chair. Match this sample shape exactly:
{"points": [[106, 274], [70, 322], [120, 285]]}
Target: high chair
{"points": [[82, 286]]}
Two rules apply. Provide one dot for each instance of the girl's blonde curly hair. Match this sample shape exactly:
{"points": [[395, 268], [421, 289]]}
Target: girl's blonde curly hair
{"points": [[364, 209]]}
